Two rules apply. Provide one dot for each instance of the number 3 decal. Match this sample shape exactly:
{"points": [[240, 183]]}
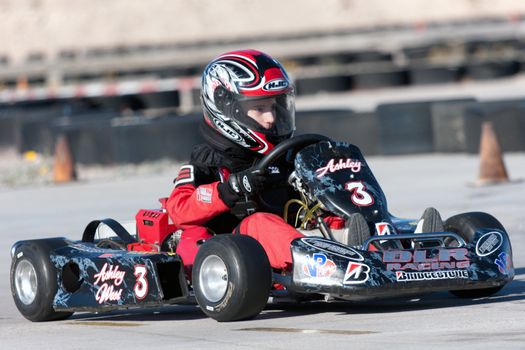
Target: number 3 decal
{"points": [[141, 286], [360, 196]]}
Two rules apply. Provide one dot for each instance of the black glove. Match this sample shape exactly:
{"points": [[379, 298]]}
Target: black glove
{"points": [[242, 184]]}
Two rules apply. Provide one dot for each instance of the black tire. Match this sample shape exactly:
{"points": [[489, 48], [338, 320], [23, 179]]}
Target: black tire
{"points": [[465, 225], [31, 263], [242, 263], [357, 230]]}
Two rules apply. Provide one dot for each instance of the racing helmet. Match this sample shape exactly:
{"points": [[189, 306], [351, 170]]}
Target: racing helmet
{"points": [[235, 82]]}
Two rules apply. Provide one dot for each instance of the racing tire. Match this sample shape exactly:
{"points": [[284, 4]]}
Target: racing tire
{"points": [[231, 277], [357, 230], [465, 225], [34, 280]]}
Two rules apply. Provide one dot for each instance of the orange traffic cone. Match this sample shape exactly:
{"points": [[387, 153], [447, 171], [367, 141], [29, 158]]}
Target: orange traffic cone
{"points": [[492, 168], [63, 169]]}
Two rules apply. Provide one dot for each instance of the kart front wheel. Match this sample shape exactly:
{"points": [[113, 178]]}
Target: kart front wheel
{"points": [[34, 281], [231, 278], [466, 225]]}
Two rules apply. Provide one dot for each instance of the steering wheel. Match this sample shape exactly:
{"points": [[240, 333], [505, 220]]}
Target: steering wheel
{"points": [[247, 207], [295, 143]]}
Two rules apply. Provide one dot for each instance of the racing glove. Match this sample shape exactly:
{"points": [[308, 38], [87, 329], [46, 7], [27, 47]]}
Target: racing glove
{"points": [[243, 184]]}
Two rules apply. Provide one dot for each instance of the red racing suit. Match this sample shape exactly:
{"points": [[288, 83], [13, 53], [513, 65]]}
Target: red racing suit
{"points": [[197, 205]]}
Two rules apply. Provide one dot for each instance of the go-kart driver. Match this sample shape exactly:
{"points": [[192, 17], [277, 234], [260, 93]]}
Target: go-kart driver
{"points": [[248, 103]]}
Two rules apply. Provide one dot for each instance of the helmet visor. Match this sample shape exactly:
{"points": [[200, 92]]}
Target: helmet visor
{"points": [[270, 115]]}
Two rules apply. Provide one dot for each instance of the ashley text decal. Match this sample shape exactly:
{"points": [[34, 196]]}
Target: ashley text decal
{"points": [[110, 277], [332, 166]]}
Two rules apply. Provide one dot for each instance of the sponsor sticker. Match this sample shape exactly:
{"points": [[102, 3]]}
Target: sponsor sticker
{"points": [[426, 259], [204, 194], [503, 262], [403, 276], [383, 229], [332, 248], [356, 273], [489, 243], [318, 265], [246, 183], [227, 130], [273, 170], [275, 84]]}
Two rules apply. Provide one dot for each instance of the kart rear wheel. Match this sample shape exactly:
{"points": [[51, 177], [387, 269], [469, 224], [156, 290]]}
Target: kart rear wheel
{"points": [[465, 225], [231, 278], [34, 281]]}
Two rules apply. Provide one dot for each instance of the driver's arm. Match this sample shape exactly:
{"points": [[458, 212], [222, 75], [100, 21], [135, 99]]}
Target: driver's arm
{"points": [[193, 201]]}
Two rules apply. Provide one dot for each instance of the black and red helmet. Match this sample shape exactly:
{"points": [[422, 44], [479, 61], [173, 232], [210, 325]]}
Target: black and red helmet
{"points": [[235, 80]]}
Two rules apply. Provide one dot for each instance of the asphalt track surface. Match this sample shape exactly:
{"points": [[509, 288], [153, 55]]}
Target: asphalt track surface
{"points": [[411, 183]]}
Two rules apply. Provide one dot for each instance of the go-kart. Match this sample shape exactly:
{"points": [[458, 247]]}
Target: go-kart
{"points": [[353, 249]]}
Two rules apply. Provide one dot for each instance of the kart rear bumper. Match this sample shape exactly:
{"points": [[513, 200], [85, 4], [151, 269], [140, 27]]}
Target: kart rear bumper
{"points": [[89, 278]]}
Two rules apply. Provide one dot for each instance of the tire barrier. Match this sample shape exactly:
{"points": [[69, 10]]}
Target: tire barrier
{"points": [[369, 56], [131, 139], [448, 126], [89, 140], [374, 80], [170, 137], [8, 133], [488, 70], [313, 85], [397, 128], [508, 118], [429, 74], [342, 125], [457, 127], [32, 131], [153, 100], [406, 128]]}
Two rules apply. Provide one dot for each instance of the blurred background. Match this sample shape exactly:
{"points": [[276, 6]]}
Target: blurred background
{"points": [[120, 79]]}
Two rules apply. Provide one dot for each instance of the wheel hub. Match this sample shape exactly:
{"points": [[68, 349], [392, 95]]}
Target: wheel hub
{"points": [[25, 282], [213, 278]]}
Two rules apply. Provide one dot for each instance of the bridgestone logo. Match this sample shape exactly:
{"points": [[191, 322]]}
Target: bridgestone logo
{"points": [[403, 276]]}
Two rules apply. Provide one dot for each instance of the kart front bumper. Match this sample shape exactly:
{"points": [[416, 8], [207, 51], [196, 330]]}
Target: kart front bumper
{"points": [[327, 267]]}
